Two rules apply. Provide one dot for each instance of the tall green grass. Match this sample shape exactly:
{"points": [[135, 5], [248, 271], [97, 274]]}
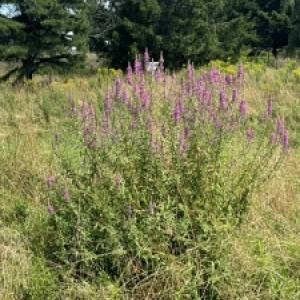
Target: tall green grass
{"points": [[137, 215]]}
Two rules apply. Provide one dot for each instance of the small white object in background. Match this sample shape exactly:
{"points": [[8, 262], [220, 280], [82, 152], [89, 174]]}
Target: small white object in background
{"points": [[69, 35], [73, 50], [152, 66]]}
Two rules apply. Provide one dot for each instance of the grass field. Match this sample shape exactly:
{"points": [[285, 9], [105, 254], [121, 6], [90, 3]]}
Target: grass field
{"points": [[112, 189]]}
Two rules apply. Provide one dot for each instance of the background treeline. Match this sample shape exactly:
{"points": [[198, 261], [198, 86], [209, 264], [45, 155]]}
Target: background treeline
{"points": [[198, 30], [59, 33]]}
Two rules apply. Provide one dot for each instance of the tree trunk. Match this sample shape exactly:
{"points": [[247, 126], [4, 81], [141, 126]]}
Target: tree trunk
{"points": [[29, 68], [275, 52]]}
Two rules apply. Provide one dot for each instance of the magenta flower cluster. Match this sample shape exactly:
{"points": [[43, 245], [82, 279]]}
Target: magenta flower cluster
{"points": [[210, 101]]}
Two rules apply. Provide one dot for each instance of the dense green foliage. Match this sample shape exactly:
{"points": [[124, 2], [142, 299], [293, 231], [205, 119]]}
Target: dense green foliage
{"points": [[273, 22], [183, 30], [41, 33], [198, 30], [294, 40]]}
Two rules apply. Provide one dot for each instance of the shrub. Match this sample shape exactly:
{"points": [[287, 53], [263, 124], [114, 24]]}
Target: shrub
{"points": [[158, 170]]}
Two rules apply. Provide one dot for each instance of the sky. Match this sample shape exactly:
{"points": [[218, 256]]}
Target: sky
{"points": [[7, 9]]}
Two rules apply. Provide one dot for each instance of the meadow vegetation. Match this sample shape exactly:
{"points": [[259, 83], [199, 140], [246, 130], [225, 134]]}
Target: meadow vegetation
{"points": [[135, 185]]}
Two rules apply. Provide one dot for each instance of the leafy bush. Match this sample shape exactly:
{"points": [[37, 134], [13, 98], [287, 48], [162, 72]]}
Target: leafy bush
{"points": [[153, 176]]}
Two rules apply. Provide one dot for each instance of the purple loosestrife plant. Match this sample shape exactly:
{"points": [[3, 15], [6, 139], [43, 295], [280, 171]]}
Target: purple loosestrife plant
{"points": [[190, 78], [285, 141], [125, 96], [229, 79], [158, 75], [213, 76], [118, 88], [138, 68], [193, 150], [223, 100], [145, 97], [243, 109], [178, 111], [234, 95], [89, 131]]}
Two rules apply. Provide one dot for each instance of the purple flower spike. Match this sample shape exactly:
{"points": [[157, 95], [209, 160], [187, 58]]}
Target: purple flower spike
{"points": [[285, 141], [85, 110], [107, 104], [213, 76], [145, 99], [234, 95], [125, 96], [137, 66], [223, 100], [243, 108], [229, 79], [158, 75], [177, 112], [118, 86]]}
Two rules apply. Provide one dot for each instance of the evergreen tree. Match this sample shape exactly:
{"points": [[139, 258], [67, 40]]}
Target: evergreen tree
{"points": [[294, 38], [236, 30], [102, 21], [42, 33], [203, 30], [183, 29], [273, 24], [136, 29], [188, 31]]}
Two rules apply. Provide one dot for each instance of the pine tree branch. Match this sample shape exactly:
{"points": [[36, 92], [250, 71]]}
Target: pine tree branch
{"points": [[53, 59]]}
